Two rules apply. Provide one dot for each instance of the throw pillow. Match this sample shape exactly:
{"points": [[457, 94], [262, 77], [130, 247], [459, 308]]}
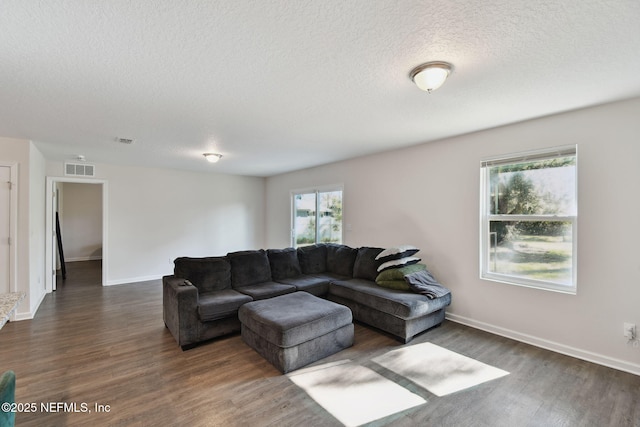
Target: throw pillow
{"points": [[397, 252], [398, 263], [399, 272], [400, 285]]}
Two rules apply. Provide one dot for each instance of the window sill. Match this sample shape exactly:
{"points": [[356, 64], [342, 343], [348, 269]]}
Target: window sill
{"points": [[534, 284]]}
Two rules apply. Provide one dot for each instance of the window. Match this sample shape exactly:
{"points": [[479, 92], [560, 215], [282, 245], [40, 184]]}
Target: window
{"points": [[529, 219], [317, 217]]}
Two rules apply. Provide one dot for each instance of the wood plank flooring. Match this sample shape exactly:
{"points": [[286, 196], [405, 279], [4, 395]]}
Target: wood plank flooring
{"points": [[108, 345]]}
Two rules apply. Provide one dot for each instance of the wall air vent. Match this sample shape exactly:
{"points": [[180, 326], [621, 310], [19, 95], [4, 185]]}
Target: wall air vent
{"points": [[79, 169]]}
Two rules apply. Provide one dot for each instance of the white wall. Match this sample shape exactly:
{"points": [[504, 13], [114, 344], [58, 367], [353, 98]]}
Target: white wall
{"points": [[37, 182], [81, 221], [30, 222], [428, 195], [156, 215]]}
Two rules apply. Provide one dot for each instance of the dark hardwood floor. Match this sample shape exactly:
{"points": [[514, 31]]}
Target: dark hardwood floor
{"points": [[108, 345]]}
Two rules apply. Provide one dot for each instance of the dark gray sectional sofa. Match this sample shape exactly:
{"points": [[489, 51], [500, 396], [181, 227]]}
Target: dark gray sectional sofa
{"points": [[201, 299]]}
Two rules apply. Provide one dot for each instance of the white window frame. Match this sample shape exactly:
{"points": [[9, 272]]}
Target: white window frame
{"points": [[316, 190], [486, 217]]}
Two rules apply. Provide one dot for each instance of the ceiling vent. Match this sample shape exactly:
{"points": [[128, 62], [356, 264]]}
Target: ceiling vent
{"points": [[79, 169]]}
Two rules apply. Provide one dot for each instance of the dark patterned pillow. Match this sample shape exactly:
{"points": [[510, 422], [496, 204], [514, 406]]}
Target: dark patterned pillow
{"points": [[397, 252]]}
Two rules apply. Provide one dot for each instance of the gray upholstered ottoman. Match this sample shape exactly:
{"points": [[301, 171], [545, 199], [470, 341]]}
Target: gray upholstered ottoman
{"points": [[294, 330]]}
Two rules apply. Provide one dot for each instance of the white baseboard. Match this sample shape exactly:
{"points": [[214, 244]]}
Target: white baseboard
{"points": [[599, 359], [84, 258], [29, 314], [131, 280]]}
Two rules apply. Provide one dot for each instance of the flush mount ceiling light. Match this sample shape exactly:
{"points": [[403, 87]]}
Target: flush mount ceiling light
{"points": [[431, 76], [212, 157]]}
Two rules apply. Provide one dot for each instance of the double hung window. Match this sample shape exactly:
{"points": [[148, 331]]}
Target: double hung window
{"points": [[529, 219]]}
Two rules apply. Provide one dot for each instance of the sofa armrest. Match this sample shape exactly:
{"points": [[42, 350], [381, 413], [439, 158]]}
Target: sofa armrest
{"points": [[180, 309]]}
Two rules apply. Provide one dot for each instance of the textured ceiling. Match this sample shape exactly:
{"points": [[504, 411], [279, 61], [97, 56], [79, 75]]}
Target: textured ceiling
{"points": [[281, 85]]}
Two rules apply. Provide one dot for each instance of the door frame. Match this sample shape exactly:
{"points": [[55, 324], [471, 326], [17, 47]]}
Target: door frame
{"points": [[50, 254], [13, 225]]}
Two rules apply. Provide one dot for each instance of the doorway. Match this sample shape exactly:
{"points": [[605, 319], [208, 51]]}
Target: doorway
{"points": [[84, 226]]}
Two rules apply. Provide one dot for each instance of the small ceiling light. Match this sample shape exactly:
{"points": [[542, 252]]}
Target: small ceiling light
{"points": [[431, 76], [212, 157]]}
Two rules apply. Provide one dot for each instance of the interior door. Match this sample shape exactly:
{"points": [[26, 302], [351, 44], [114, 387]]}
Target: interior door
{"points": [[5, 227]]}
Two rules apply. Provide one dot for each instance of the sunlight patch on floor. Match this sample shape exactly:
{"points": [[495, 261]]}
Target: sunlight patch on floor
{"points": [[353, 394], [437, 369]]}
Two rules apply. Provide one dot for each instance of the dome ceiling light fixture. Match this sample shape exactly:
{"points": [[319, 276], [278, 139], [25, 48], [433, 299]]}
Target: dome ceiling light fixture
{"points": [[431, 75], [212, 157]]}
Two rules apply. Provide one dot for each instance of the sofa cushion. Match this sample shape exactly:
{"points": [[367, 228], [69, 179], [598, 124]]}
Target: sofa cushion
{"points": [[330, 277], [317, 285], [366, 265], [313, 258], [220, 304], [401, 304], [397, 253], [340, 259], [249, 268], [206, 274], [266, 290], [284, 263]]}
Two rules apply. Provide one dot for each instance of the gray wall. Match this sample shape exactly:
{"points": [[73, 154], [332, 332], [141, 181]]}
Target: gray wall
{"points": [[428, 195]]}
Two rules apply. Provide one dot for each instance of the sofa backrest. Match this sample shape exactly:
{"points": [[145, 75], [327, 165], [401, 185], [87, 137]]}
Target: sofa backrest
{"points": [[249, 268], [284, 263], [366, 265], [207, 274], [313, 258], [340, 259]]}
